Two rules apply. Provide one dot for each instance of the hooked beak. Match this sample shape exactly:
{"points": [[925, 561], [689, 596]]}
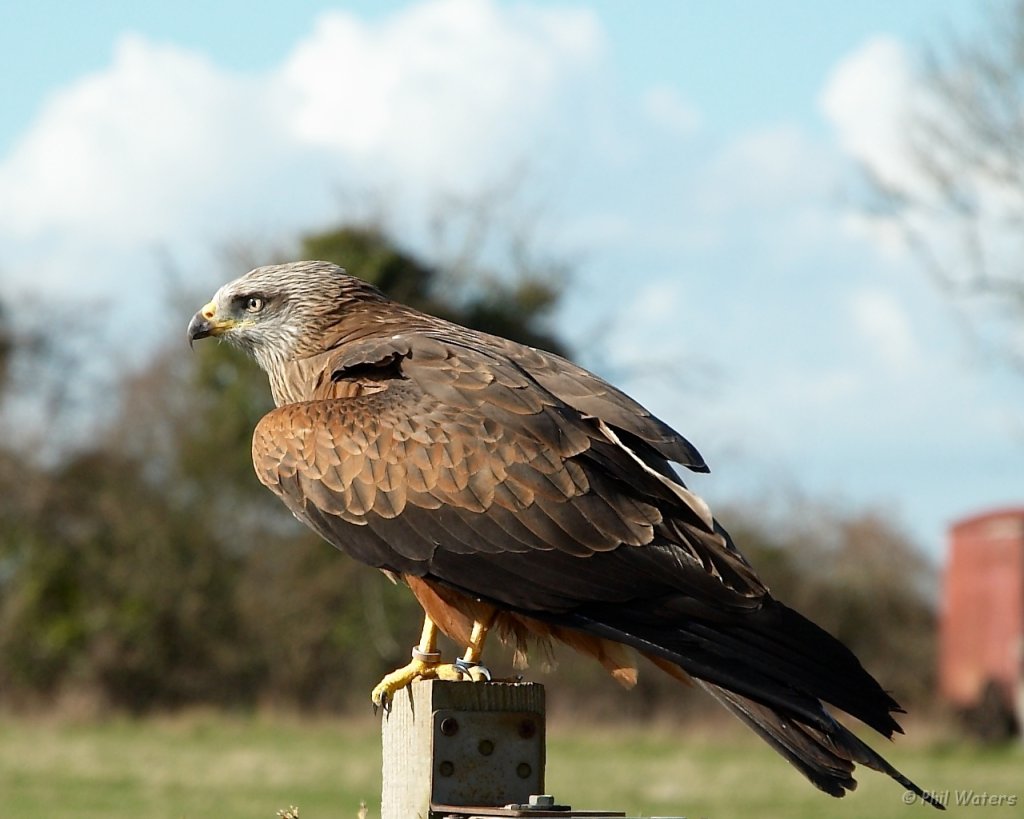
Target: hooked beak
{"points": [[205, 324]]}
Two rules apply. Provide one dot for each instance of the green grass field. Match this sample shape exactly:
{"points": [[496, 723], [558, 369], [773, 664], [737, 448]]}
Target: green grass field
{"points": [[211, 765]]}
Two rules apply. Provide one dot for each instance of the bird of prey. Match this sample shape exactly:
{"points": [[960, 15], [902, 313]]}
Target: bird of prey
{"points": [[516, 492]]}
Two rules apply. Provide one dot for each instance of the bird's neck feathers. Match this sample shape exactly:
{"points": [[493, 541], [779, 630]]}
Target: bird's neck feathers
{"points": [[298, 369]]}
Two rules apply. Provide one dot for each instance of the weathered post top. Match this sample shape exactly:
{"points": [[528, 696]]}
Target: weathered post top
{"points": [[462, 744]]}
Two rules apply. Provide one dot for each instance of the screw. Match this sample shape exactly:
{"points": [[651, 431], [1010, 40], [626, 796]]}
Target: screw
{"points": [[449, 726], [523, 770], [486, 747], [527, 729], [446, 768]]}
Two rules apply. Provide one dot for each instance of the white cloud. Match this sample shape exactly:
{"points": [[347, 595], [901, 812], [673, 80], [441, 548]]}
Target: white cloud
{"points": [[954, 213], [666, 107], [642, 324], [876, 101], [165, 148], [868, 99], [89, 161], [162, 148], [886, 327], [767, 167], [443, 90]]}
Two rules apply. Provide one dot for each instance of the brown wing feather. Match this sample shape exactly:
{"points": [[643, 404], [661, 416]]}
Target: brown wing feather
{"points": [[469, 433], [594, 396]]}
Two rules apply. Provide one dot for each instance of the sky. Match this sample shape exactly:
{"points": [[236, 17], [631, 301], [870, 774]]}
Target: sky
{"points": [[695, 164]]}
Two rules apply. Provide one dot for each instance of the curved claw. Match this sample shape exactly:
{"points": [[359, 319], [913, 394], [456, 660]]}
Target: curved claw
{"points": [[383, 693], [475, 671], [384, 704]]}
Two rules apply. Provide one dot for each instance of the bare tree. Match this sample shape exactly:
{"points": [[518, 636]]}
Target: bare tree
{"points": [[959, 200]]}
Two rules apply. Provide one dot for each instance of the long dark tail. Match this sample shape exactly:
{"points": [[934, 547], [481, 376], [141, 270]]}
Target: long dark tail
{"points": [[773, 668], [825, 758]]}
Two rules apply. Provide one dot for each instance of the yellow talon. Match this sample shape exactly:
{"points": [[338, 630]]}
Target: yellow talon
{"points": [[425, 665], [400, 678]]}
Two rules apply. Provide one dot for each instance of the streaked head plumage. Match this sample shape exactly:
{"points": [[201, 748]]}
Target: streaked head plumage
{"points": [[276, 312]]}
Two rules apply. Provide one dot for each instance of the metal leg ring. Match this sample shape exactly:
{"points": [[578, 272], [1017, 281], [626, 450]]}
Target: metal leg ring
{"points": [[429, 657], [465, 665]]}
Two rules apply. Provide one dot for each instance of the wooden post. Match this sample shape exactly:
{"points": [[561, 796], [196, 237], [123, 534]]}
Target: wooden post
{"points": [[462, 744]]}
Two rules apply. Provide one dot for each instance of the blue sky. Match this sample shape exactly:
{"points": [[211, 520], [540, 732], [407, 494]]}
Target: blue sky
{"points": [[695, 161], [742, 62]]}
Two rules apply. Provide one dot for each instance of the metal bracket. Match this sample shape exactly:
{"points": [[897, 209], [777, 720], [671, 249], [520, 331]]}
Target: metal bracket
{"points": [[540, 806], [486, 757]]}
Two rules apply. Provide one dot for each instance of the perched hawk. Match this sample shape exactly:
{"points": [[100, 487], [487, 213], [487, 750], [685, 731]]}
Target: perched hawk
{"points": [[512, 490]]}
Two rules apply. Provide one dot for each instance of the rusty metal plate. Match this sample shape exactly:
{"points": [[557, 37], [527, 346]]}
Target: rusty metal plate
{"points": [[465, 812], [491, 758]]}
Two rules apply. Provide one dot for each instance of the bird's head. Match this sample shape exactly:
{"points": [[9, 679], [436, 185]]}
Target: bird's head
{"points": [[280, 312]]}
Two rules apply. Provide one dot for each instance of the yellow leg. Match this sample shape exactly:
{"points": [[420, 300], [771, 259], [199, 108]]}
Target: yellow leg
{"points": [[428, 637], [425, 659], [475, 649], [426, 663]]}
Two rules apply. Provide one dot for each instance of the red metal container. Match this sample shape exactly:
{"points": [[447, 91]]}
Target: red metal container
{"points": [[981, 626]]}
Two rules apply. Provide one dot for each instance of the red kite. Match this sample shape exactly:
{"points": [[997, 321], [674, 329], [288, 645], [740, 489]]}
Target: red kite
{"points": [[515, 491]]}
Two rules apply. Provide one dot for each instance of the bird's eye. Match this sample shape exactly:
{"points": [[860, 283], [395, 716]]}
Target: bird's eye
{"points": [[253, 304]]}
